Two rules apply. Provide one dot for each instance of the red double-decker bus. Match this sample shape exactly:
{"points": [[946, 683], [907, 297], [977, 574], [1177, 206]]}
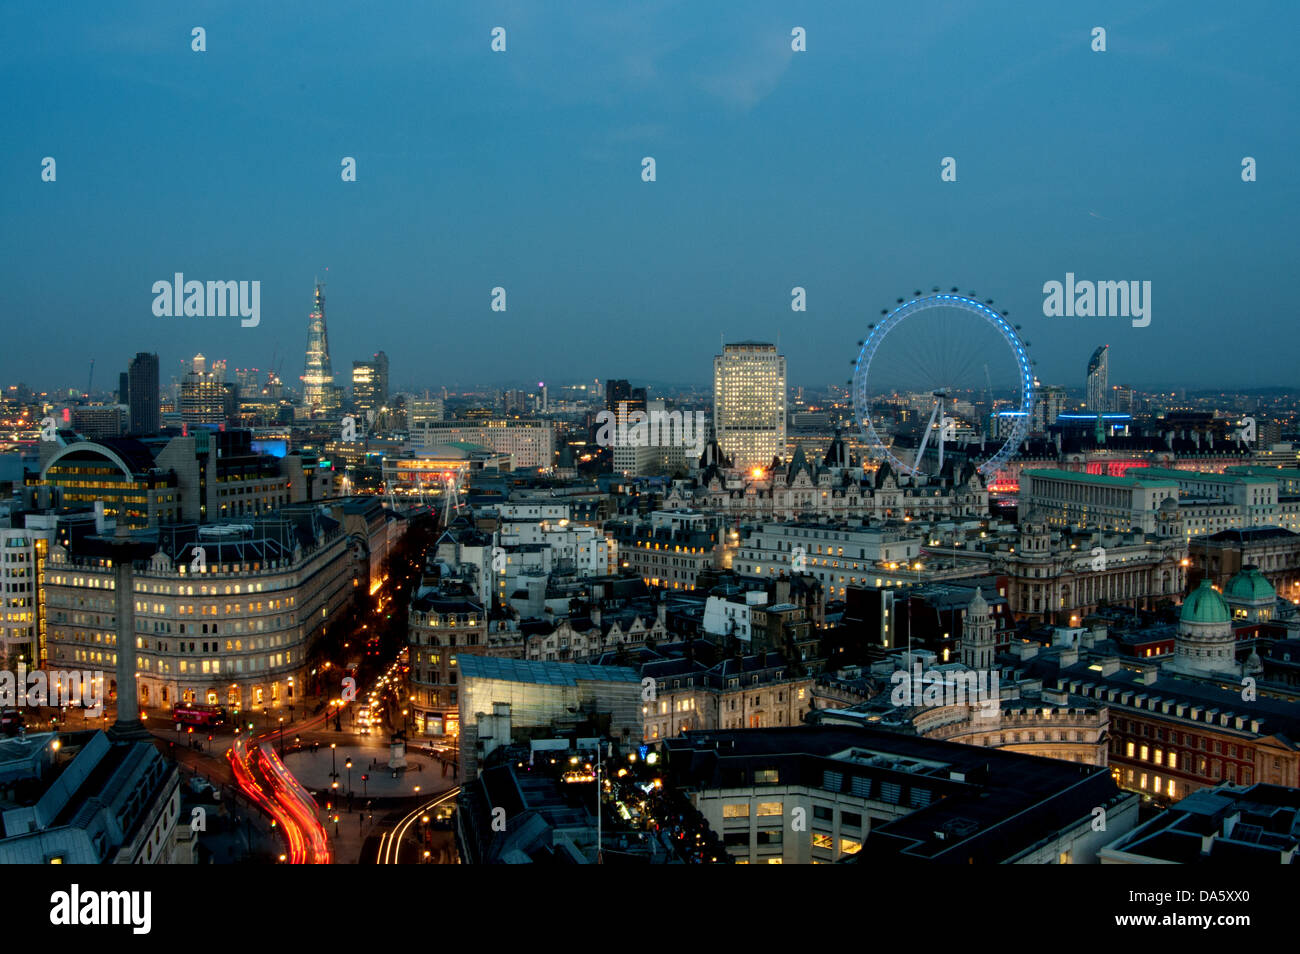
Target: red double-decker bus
{"points": [[193, 713]]}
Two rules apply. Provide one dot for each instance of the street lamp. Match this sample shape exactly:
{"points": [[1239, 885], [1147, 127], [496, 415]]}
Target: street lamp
{"points": [[348, 765]]}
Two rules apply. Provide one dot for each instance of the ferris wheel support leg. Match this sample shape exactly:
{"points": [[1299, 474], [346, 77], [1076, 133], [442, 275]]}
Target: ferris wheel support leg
{"points": [[925, 439], [942, 425]]}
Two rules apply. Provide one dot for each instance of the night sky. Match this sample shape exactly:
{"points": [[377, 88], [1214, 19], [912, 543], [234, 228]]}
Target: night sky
{"points": [[522, 169]]}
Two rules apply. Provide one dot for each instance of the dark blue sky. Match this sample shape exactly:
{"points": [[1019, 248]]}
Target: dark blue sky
{"points": [[522, 169]]}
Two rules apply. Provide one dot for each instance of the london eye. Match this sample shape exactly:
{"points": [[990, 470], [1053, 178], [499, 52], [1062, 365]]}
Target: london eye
{"points": [[940, 372]]}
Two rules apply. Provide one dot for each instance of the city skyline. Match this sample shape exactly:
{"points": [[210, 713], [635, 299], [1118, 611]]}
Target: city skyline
{"points": [[419, 241], [755, 434]]}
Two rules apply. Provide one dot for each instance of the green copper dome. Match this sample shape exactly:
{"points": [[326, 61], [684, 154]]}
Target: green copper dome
{"points": [[1204, 605], [1250, 585]]}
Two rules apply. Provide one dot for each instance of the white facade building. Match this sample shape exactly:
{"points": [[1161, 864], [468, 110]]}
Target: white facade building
{"points": [[749, 403], [530, 444], [838, 557], [19, 595]]}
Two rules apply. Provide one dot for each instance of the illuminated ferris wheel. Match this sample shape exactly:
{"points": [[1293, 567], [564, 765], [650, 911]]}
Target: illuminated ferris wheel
{"points": [[942, 370]]}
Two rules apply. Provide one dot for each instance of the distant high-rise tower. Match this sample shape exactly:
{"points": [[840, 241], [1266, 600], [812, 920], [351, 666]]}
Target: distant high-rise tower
{"points": [[318, 392], [142, 396], [1098, 380], [1049, 404], [1121, 399], [203, 396], [370, 383], [617, 389], [749, 403]]}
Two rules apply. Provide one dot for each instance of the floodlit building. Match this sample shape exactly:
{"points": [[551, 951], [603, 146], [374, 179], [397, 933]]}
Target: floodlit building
{"points": [[225, 614], [749, 403], [319, 395]]}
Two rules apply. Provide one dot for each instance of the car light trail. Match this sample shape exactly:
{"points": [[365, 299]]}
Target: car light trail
{"points": [[391, 847]]}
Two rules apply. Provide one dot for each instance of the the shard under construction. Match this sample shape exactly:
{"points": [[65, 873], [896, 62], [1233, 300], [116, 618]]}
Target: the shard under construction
{"points": [[319, 396]]}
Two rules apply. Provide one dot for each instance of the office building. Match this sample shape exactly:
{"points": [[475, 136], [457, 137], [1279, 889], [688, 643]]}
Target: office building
{"points": [[1160, 500], [1049, 404], [206, 476], [837, 557], [438, 625], [22, 554], [505, 701], [142, 397], [100, 421], [1093, 501], [225, 614], [740, 692], [1097, 383], [670, 548], [203, 397], [530, 444], [370, 383], [889, 798], [749, 403], [424, 410]]}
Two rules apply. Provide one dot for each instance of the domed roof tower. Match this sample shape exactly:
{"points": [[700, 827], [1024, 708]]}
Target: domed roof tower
{"points": [[1250, 595], [1205, 643]]}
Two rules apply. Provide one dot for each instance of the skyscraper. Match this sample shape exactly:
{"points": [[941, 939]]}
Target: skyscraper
{"points": [[616, 389], [318, 392], [749, 403], [1121, 399], [1098, 383], [142, 398], [370, 383], [203, 396]]}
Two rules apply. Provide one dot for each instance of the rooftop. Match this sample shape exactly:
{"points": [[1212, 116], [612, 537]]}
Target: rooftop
{"points": [[545, 673], [1100, 480]]}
